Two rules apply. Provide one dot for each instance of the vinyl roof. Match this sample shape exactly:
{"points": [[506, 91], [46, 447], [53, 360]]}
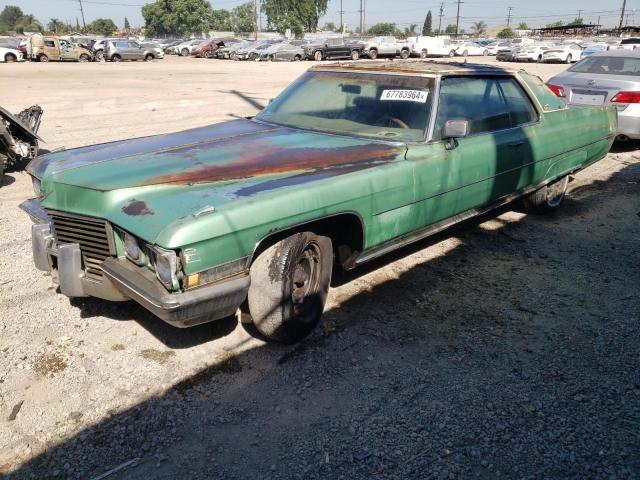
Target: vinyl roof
{"points": [[414, 67]]}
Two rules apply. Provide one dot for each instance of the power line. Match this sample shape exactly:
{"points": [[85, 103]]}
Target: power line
{"points": [[458, 17], [509, 16], [624, 4], [441, 15]]}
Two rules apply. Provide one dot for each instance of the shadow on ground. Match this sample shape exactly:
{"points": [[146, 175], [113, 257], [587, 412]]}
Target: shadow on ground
{"points": [[513, 355]]}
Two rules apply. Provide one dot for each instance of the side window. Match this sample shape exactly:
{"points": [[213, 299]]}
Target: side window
{"points": [[518, 102], [132, 45], [478, 100], [49, 43]]}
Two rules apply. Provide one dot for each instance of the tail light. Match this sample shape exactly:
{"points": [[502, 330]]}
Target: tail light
{"points": [[626, 97], [557, 90]]}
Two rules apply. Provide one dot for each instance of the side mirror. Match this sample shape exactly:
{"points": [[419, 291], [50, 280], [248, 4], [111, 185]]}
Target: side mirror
{"points": [[454, 129]]}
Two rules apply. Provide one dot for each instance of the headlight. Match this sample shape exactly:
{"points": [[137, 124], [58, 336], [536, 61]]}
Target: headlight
{"points": [[37, 186], [132, 248], [166, 263]]}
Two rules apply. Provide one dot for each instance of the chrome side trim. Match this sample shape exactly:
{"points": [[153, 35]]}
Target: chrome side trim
{"points": [[32, 208]]}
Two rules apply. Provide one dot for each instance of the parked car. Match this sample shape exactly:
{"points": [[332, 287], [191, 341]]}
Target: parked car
{"points": [[505, 53], [334, 48], [531, 53], [169, 46], [119, 50], [493, 47], [282, 52], [98, 48], [9, 55], [346, 165], [48, 48], [425, 46], [609, 78], [565, 53], [252, 51], [594, 48], [230, 48], [18, 137], [385, 46], [204, 49], [466, 49], [629, 43], [184, 49]]}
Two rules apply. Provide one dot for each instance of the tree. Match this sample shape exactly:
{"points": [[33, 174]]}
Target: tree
{"points": [[56, 26], [28, 23], [329, 27], [427, 28], [479, 28], [221, 20], [298, 15], [103, 26], [77, 25], [450, 28], [506, 33], [11, 16], [177, 17], [127, 25], [410, 31], [242, 18], [559, 23], [523, 26], [383, 29], [577, 21]]}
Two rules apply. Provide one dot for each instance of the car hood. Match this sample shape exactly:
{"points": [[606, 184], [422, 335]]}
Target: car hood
{"points": [[145, 184]]}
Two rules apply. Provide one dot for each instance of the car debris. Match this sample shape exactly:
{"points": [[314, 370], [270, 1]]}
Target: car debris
{"points": [[18, 136]]}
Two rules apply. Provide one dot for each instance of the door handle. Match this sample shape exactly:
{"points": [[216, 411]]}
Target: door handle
{"points": [[516, 144]]}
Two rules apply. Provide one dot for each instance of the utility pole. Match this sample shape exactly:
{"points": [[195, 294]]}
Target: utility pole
{"points": [[441, 15], [579, 15], [255, 17], [341, 18], [458, 17], [84, 25], [361, 11], [509, 16], [624, 4], [364, 14]]}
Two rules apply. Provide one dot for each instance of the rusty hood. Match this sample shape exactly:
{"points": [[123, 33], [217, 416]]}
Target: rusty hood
{"points": [[149, 182]]}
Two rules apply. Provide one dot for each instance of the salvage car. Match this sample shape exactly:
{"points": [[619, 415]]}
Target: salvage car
{"points": [[565, 53], [531, 53], [119, 50], [282, 52], [9, 55], [18, 137], [45, 48], [385, 46], [334, 48], [605, 78], [466, 49], [350, 162]]}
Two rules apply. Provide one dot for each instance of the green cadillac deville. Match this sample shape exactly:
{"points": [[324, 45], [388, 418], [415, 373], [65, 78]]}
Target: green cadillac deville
{"points": [[350, 162]]}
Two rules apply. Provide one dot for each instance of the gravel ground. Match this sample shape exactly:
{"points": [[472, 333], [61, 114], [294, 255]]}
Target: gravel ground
{"points": [[506, 347]]}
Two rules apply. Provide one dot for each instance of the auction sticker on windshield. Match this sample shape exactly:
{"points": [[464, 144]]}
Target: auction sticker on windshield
{"points": [[405, 95]]}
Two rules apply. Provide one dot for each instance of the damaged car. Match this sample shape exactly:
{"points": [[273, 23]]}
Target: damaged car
{"points": [[352, 161], [18, 137]]}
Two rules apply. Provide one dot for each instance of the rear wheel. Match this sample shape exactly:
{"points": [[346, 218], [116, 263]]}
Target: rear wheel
{"points": [[539, 60], [10, 58], [452, 53], [424, 53], [485, 53], [373, 54], [43, 58], [84, 58], [297, 58], [465, 53], [289, 285], [355, 55], [116, 58], [148, 57], [404, 54], [99, 55], [317, 56], [185, 52], [548, 198], [569, 58]]}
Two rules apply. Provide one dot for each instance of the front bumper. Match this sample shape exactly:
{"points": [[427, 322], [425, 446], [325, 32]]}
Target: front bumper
{"points": [[122, 280]]}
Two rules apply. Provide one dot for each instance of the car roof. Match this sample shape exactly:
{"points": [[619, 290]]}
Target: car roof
{"points": [[416, 67], [618, 53]]}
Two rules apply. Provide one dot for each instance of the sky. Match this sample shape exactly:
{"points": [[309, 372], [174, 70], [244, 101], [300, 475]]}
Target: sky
{"points": [[401, 12]]}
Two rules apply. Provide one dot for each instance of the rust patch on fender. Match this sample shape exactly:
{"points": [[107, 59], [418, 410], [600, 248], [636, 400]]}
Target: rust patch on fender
{"points": [[137, 207], [264, 158]]}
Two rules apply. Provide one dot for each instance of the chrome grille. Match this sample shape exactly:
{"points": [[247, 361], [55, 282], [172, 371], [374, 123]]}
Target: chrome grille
{"points": [[94, 236]]}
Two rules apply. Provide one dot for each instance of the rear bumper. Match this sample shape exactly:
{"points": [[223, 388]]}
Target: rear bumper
{"points": [[122, 280], [629, 121]]}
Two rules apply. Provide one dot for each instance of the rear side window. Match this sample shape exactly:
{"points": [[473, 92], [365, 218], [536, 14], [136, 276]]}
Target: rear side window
{"points": [[49, 43], [489, 104]]}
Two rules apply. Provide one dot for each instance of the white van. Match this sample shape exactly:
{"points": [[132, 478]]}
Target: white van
{"points": [[424, 46]]}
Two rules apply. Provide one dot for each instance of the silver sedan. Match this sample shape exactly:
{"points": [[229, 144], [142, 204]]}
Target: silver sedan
{"points": [[605, 78]]}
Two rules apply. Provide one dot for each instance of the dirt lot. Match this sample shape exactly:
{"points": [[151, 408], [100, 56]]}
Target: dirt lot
{"points": [[506, 347]]}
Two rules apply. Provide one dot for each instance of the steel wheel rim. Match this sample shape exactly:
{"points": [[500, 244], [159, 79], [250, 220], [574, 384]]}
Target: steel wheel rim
{"points": [[305, 283]]}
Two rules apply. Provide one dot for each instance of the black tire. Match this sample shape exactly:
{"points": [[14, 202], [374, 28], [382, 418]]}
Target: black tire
{"points": [[404, 54], [3, 160], [43, 58], [148, 57], [373, 54], [289, 285], [206, 54], [10, 58], [185, 52], [452, 53], [99, 55], [539, 60], [116, 58], [84, 58], [485, 53], [317, 56], [355, 55], [297, 58], [465, 53], [548, 198], [424, 53], [569, 58]]}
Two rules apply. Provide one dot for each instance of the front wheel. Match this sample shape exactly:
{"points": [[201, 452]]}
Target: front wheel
{"points": [[485, 53], [424, 53], [355, 55], [317, 56], [185, 52], [116, 58], [148, 57], [465, 53], [289, 286], [43, 58], [452, 53], [84, 58], [99, 55], [568, 60], [373, 54], [548, 198], [404, 54]]}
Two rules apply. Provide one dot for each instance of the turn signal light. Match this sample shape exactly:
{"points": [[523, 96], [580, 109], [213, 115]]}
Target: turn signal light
{"points": [[558, 90], [626, 97]]}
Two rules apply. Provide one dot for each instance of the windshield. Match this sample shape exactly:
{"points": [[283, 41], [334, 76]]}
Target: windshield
{"points": [[608, 65], [391, 107]]}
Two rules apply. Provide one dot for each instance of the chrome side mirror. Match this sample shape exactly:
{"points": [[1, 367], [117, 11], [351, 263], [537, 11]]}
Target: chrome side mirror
{"points": [[454, 129]]}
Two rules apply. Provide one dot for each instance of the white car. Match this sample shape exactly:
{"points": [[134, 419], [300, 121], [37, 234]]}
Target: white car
{"points": [[565, 53], [532, 53], [493, 47], [629, 43], [471, 49], [185, 48], [10, 55], [425, 46]]}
